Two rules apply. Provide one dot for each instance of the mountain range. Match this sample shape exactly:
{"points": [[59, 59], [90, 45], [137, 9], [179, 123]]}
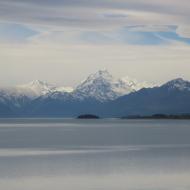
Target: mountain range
{"points": [[100, 94]]}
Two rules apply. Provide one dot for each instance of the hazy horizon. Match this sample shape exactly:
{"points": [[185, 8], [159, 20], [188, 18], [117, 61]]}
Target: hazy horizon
{"points": [[48, 82]]}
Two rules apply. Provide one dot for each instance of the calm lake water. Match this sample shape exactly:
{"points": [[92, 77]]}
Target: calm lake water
{"points": [[65, 154]]}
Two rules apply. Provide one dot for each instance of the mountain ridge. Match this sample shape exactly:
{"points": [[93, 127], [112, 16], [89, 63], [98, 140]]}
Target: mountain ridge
{"points": [[100, 85], [169, 98], [100, 94]]}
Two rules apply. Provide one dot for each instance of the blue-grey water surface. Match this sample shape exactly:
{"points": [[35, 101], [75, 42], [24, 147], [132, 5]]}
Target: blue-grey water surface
{"points": [[66, 154]]}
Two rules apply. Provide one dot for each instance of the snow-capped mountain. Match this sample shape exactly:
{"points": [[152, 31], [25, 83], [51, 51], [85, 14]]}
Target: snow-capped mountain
{"points": [[178, 84], [20, 95], [100, 93], [172, 97], [103, 86], [9, 96], [33, 90]]}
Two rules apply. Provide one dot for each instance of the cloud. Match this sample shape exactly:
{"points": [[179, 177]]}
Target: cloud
{"points": [[135, 37], [129, 35], [151, 28], [96, 14], [183, 31], [15, 33], [100, 20]]}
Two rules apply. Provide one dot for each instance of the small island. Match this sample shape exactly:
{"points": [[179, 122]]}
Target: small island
{"points": [[88, 116]]}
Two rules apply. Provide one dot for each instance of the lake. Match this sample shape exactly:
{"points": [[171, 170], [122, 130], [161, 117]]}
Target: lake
{"points": [[68, 154]]}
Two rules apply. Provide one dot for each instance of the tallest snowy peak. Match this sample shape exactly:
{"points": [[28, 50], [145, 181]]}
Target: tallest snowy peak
{"points": [[103, 73], [100, 74], [102, 86]]}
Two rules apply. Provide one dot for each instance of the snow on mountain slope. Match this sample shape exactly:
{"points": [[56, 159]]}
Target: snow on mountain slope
{"points": [[10, 97], [64, 89], [136, 85], [102, 86], [20, 95], [178, 84], [33, 90]]}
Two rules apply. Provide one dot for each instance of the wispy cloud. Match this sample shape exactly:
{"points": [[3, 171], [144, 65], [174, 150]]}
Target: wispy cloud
{"points": [[127, 36], [73, 13], [15, 33], [99, 15]]}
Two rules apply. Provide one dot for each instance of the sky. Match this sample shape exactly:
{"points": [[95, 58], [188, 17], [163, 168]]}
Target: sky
{"points": [[63, 41]]}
